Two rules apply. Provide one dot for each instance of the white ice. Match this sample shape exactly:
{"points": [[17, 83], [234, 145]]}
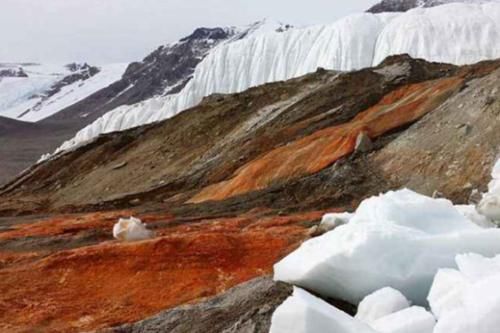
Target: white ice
{"points": [[333, 220], [470, 212], [467, 299], [305, 313], [489, 206], [130, 230], [411, 320], [381, 303], [398, 239]]}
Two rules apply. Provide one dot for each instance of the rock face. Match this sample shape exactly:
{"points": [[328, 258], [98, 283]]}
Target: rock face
{"points": [[12, 72], [244, 309]]}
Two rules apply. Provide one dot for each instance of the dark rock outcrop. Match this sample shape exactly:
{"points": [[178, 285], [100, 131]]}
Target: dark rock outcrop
{"points": [[11, 72], [246, 308], [403, 5]]}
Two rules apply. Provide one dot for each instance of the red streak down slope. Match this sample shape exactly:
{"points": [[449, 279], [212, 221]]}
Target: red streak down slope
{"points": [[321, 149]]}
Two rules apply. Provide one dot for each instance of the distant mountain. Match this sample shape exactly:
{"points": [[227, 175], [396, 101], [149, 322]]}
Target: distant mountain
{"points": [[404, 5], [163, 72], [32, 92]]}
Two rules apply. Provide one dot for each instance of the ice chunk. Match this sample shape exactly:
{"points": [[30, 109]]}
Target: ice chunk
{"points": [[470, 213], [490, 206], [411, 320], [445, 294], [472, 304], [305, 313], [408, 209], [381, 303], [494, 185], [399, 239], [132, 229], [333, 220]]}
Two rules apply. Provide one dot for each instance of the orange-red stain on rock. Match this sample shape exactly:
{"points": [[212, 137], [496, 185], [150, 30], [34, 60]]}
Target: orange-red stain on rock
{"points": [[319, 150], [113, 283], [73, 223]]}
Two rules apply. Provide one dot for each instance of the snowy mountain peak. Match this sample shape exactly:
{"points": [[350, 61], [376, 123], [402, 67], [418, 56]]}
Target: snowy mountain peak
{"points": [[31, 92], [264, 26], [209, 33], [405, 5]]}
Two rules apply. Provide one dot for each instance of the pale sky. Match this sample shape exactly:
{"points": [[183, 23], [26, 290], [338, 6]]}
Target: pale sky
{"points": [[105, 31]]}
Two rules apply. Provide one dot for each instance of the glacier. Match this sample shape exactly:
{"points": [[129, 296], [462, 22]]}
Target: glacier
{"points": [[455, 33]]}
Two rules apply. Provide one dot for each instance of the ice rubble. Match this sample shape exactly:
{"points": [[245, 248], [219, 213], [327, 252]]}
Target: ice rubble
{"points": [[130, 230], [467, 299], [429, 249], [490, 204], [470, 212], [381, 303], [398, 239], [305, 313], [333, 220], [455, 33], [414, 319]]}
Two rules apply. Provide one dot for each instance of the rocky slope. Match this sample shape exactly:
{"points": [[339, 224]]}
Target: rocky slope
{"points": [[68, 101], [230, 191]]}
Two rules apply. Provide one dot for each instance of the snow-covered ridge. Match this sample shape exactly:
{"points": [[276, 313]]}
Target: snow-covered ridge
{"points": [[385, 6], [28, 98], [454, 33]]}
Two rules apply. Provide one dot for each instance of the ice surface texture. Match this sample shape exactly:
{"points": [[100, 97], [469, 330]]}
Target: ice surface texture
{"points": [[398, 239]]}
